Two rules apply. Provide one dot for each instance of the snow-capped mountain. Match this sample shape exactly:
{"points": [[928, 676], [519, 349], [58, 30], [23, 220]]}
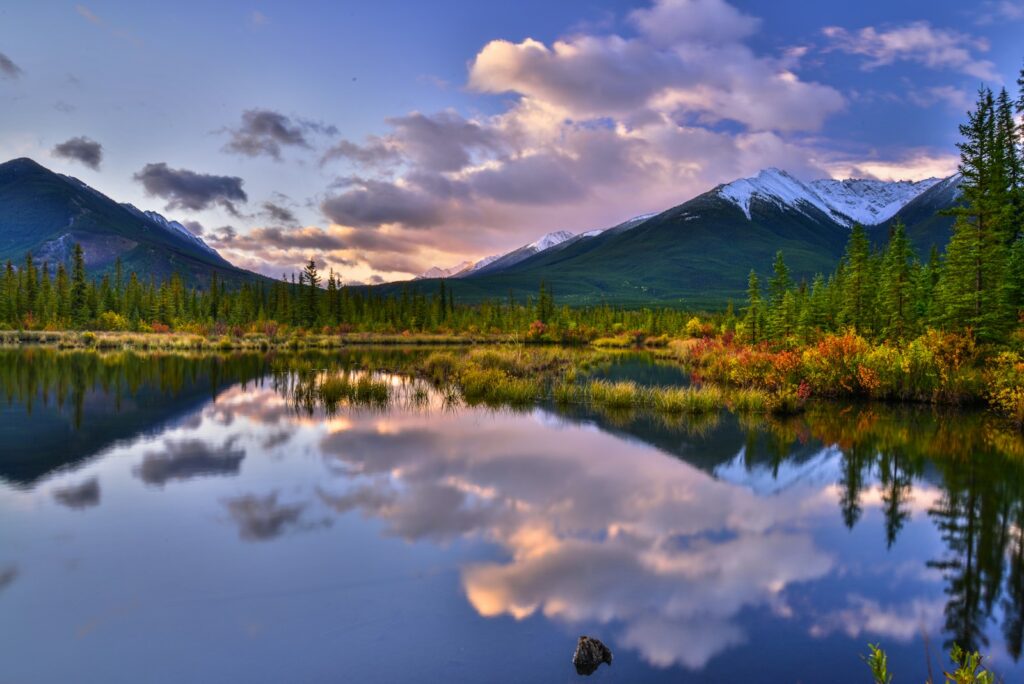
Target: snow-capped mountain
{"points": [[453, 272], [868, 202], [172, 226], [509, 258], [550, 240]]}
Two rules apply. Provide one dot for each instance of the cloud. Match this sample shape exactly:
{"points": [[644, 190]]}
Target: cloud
{"points": [[376, 202], [1000, 10], [7, 576], [595, 76], [95, 20], [189, 458], [917, 42], [952, 97], [265, 132], [262, 518], [8, 68], [184, 189], [914, 165], [279, 214], [708, 21], [79, 496], [375, 153], [80, 149]]}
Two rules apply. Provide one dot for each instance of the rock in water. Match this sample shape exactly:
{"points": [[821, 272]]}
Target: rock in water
{"points": [[589, 655]]}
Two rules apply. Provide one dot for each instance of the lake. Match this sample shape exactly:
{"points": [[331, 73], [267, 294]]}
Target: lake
{"points": [[168, 518]]}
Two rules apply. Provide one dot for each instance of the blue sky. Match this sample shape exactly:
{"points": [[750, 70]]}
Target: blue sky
{"points": [[387, 137]]}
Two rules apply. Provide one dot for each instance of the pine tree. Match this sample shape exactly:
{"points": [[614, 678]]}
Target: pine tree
{"points": [[897, 286], [79, 296], [857, 285], [975, 289], [753, 325], [779, 321], [312, 279]]}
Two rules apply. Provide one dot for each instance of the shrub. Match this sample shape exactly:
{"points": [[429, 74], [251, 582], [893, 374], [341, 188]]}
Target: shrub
{"points": [[114, 322]]}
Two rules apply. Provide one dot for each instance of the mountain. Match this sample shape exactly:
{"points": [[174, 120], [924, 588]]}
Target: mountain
{"points": [[699, 253], [47, 213]]}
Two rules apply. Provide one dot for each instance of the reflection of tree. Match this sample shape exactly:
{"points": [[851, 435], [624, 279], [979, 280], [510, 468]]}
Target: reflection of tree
{"points": [[1013, 601], [982, 496], [979, 517], [896, 479], [856, 464]]}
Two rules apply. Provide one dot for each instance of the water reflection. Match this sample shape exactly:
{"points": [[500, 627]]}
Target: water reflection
{"points": [[78, 496], [677, 541], [188, 458]]}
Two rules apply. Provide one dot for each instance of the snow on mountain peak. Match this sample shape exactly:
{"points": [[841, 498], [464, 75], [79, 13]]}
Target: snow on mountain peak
{"points": [[855, 200], [550, 240], [870, 202], [172, 226]]}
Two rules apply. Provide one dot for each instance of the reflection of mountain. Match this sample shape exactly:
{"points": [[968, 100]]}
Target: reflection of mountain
{"points": [[66, 407]]}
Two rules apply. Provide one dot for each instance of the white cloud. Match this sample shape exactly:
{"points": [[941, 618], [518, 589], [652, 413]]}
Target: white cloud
{"points": [[918, 42]]}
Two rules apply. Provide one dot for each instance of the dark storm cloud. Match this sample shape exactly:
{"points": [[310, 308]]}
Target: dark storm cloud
{"points": [[184, 189], [377, 202], [188, 458], [81, 149], [264, 131], [8, 68], [278, 214], [79, 496], [260, 518]]}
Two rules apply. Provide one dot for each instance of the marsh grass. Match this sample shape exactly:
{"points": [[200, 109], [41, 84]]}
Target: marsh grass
{"points": [[616, 394], [493, 387], [362, 391], [687, 400]]}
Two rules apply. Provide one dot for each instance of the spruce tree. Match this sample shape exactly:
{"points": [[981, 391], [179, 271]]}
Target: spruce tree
{"points": [[79, 296], [897, 286], [975, 289], [857, 284], [780, 320], [310, 276], [753, 321]]}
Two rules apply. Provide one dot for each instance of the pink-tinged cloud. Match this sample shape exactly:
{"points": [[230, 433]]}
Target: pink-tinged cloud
{"points": [[918, 42]]}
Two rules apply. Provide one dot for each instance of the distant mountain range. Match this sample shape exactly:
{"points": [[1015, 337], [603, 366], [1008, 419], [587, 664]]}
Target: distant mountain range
{"points": [[697, 254], [47, 213], [700, 252]]}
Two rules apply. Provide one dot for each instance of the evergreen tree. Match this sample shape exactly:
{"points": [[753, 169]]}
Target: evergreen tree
{"points": [[857, 285], [753, 322], [311, 278], [779, 321], [79, 296], [897, 287]]}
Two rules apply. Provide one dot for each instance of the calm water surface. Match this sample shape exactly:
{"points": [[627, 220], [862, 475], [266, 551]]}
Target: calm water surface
{"points": [[183, 519]]}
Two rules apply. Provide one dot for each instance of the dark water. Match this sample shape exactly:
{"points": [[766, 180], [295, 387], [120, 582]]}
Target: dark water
{"points": [[181, 519]]}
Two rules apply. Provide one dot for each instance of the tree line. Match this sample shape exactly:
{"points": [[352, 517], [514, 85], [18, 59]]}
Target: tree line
{"points": [[976, 283], [38, 296]]}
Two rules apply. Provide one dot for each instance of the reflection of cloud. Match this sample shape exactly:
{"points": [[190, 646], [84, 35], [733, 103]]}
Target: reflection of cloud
{"points": [[8, 575], [656, 547], [899, 622], [188, 458], [261, 518], [79, 496]]}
